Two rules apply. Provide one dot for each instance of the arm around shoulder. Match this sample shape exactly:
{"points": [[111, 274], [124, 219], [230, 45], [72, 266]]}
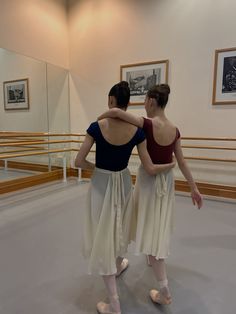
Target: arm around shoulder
{"points": [[123, 115], [111, 113]]}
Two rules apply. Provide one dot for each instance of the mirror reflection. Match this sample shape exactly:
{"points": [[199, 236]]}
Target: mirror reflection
{"points": [[34, 97]]}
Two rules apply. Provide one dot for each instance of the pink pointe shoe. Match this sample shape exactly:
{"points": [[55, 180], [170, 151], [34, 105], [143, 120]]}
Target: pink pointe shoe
{"points": [[124, 265], [157, 297], [105, 308]]}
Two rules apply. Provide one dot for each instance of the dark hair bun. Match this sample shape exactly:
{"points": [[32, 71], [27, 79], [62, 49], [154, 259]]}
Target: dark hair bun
{"points": [[123, 84], [160, 93], [121, 92], [164, 88]]}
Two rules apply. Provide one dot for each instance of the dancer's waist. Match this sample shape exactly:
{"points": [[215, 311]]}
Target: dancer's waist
{"points": [[110, 171]]}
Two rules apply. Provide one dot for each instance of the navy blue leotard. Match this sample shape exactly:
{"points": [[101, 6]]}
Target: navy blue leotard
{"points": [[113, 157]]}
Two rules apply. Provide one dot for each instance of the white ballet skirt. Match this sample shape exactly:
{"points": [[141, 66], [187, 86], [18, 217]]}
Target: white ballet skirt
{"points": [[109, 222], [154, 200]]}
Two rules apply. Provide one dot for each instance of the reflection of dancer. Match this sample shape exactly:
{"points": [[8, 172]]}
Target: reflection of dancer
{"points": [[110, 218], [229, 77], [154, 195]]}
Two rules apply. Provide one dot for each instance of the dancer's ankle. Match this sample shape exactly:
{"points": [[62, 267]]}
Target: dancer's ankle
{"points": [[165, 292], [164, 289], [115, 303]]}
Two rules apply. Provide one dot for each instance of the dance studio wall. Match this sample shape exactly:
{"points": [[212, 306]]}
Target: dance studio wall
{"points": [[103, 34], [107, 33], [15, 66], [36, 28]]}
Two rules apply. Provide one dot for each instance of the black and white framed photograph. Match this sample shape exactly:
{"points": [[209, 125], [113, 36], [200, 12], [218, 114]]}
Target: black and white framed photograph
{"points": [[16, 94], [142, 76], [224, 84]]}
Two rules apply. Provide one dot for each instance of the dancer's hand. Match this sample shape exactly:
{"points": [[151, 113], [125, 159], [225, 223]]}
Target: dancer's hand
{"points": [[197, 198]]}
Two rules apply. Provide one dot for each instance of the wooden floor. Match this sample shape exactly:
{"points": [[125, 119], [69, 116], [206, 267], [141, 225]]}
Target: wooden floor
{"points": [[43, 272]]}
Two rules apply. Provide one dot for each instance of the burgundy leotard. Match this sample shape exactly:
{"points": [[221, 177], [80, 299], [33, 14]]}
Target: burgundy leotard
{"points": [[160, 154]]}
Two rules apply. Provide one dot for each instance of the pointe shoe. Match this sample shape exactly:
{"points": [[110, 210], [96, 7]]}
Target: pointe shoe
{"points": [[105, 308], [124, 266], [156, 297]]}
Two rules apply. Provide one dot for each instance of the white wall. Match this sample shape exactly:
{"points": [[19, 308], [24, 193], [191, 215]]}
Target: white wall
{"points": [[105, 34], [58, 99], [36, 28]]}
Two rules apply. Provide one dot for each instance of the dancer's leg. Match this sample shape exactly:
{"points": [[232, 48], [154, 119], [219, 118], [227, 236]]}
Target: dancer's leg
{"points": [[159, 269], [114, 305], [148, 261]]}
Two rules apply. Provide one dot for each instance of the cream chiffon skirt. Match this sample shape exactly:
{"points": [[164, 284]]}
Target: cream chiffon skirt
{"points": [[109, 222], [154, 200]]}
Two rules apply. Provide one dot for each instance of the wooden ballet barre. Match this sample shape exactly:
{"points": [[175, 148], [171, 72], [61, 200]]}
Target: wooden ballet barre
{"points": [[210, 159], [77, 134], [45, 134], [47, 142], [195, 138], [77, 141], [209, 138], [202, 158], [51, 151], [23, 143], [35, 143], [20, 132], [3, 136], [25, 146], [186, 157], [209, 147], [22, 139], [7, 156], [22, 150], [8, 135]]}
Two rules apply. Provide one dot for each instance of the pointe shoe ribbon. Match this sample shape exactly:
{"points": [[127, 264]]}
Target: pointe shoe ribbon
{"points": [[158, 298]]}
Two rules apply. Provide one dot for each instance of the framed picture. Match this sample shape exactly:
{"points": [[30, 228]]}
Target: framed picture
{"points": [[16, 94], [142, 76], [224, 83]]}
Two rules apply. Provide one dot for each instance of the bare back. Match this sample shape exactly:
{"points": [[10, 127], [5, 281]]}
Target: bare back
{"points": [[164, 132], [162, 137], [117, 132]]}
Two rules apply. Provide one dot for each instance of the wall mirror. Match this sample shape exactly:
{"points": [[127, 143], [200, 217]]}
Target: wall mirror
{"points": [[34, 97]]}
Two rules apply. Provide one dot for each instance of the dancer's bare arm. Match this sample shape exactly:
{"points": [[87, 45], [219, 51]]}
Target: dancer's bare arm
{"points": [[195, 194], [148, 165], [123, 115], [80, 160]]}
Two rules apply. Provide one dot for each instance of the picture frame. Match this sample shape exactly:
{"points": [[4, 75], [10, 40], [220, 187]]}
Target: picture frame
{"points": [[16, 94], [224, 82], [142, 76]]}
